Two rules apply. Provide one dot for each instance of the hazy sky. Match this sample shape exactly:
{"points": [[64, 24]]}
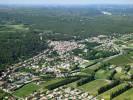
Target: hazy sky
{"points": [[66, 2]]}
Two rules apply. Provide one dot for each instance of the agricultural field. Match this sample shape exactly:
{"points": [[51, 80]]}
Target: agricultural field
{"points": [[122, 59], [26, 90], [30, 88], [72, 85], [106, 95], [92, 87], [126, 95]]}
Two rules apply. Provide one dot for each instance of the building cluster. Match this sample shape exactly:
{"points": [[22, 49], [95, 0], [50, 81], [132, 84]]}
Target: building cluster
{"points": [[107, 43], [62, 93], [18, 79], [65, 46]]}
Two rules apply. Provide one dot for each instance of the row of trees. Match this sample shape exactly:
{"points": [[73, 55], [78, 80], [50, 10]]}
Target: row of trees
{"points": [[85, 80], [92, 54], [108, 86], [119, 91], [61, 83], [96, 54]]}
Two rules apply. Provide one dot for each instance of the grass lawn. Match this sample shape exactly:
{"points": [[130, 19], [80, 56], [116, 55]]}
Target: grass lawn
{"points": [[128, 95], [122, 59], [106, 95], [26, 90], [102, 74], [93, 86]]}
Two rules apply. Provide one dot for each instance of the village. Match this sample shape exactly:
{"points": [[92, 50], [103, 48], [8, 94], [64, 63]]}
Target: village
{"points": [[56, 62], [62, 93]]}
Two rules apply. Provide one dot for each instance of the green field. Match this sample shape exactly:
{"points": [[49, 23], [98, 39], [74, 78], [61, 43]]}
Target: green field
{"points": [[128, 95], [26, 90], [92, 68], [93, 86], [90, 87], [73, 84], [122, 59], [102, 74], [106, 95]]}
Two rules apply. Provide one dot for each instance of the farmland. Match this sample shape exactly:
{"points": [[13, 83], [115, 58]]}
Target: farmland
{"points": [[93, 86], [26, 90], [127, 95], [123, 59], [106, 95]]}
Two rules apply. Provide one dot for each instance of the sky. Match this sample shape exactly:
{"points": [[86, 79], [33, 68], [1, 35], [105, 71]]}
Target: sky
{"points": [[67, 2]]}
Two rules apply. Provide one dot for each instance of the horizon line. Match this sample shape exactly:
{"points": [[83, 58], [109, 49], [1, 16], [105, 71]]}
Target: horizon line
{"points": [[61, 4]]}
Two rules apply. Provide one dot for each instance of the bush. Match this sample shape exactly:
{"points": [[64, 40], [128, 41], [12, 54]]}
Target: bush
{"points": [[120, 91]]}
